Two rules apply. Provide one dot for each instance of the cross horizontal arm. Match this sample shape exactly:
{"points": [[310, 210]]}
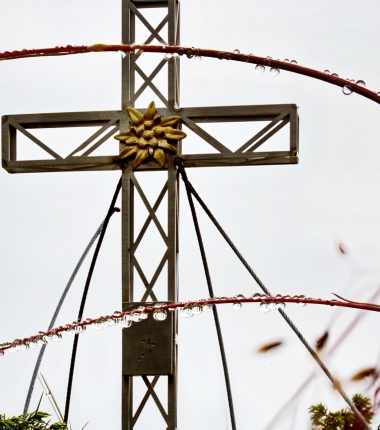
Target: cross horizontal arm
{"points": [[191, 118]]}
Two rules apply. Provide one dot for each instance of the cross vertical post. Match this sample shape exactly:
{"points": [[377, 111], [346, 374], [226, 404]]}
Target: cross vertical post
{"points": [[131, 13]]}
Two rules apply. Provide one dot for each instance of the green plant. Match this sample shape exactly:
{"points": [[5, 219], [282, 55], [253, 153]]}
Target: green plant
{"points": [[345, 419], [32, 421]]}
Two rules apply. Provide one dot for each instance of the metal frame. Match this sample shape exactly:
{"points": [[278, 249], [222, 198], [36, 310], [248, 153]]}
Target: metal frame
{"points": [[109, 122]]}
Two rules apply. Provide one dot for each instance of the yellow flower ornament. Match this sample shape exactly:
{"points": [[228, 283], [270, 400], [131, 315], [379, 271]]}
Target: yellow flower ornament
{"points": [[148, 136]]}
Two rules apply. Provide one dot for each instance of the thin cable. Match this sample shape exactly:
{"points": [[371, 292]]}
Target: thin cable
{"points": [[335, 382], [55, 315], [110, 212], [211, 293]]}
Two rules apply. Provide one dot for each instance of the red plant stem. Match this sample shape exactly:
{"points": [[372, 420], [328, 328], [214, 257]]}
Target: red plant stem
{"points": [[211, 53], [214, 301]]}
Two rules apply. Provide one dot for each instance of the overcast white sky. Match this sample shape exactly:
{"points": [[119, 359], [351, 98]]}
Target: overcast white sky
{"points": [[286, 220]]}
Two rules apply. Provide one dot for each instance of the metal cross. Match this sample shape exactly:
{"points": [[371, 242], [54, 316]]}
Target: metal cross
{"points": [[149, 348]]}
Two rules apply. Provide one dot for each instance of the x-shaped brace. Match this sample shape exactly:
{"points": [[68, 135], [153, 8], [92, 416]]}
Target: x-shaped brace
{"points": [[150, 392]]}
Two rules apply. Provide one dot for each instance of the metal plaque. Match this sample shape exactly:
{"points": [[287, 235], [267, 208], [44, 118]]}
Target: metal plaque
{"points": [[148, 346]]}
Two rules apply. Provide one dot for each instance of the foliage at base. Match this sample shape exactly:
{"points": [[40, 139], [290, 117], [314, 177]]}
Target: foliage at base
{"points": [[32, 421], [345, 419]]}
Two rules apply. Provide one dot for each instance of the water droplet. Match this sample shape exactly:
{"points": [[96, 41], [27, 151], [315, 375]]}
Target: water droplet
{"points": [[272, 306], [187, 312], [13, 349], [41, 342], [256, 296], [125, 321], [352, 80], [181, 51], [32, 344], [111, 322], [220, 55], [168, 56], [104, 323], [160, 315], [198, 58], [347, 90], [332, 302], [98, 325], [228, 56], [80, 329], [378, 93], [361, 83], [286, 60], [274, 71], [207, 307], [327, 72], [246, 58], [189, 54], [237, 305], [280, 305], [301, 297], [267, 61], [278, 295], [47, 338], [264, 307], [293, 62], [236, 51], [143, 314], [56, 337], [197, 309], [136, 317], [24, 346], [260, 68], [1, 352], [71, 330]]}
